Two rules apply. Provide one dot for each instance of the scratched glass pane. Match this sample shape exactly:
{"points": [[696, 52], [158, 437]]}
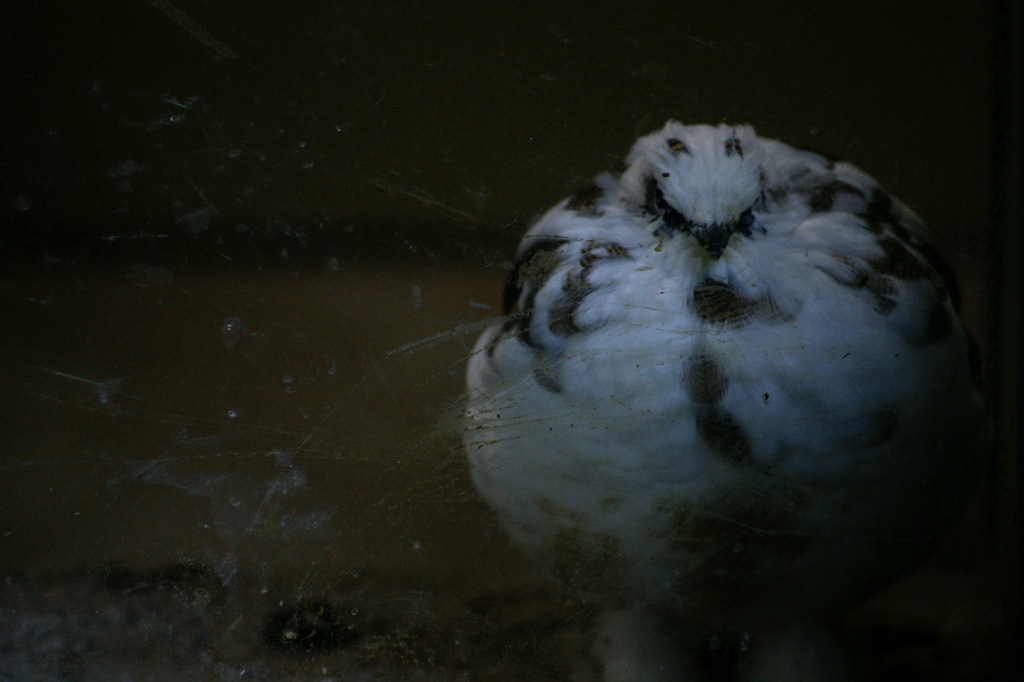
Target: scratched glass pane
{"points": [[253, 253]]}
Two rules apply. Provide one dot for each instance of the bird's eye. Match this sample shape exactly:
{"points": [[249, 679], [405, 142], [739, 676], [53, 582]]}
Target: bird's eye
{"points": [[654, 199], [745, 222], [657, 205], [676, 145]]}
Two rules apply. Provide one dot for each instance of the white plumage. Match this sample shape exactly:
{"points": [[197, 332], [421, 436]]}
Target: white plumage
{"points": [[732, 395]]}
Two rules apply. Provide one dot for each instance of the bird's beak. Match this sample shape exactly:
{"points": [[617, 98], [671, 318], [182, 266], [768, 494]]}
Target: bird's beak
{"points": [[714, 237]]}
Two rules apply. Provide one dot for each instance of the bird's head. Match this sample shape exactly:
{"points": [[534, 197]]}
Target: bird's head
{"points": [[700, 180]]}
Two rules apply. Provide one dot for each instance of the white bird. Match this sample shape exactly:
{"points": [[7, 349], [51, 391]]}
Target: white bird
{"points": [[731, 397]]}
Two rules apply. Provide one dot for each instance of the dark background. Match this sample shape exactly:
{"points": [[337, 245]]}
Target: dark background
{"points": [[243, 257]]}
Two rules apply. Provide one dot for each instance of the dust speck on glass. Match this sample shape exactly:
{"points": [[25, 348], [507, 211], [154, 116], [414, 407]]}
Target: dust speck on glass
{"points": [[505, 341]]}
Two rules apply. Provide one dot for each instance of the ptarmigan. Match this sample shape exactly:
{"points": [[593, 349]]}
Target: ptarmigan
{"points": [[731, 396]]}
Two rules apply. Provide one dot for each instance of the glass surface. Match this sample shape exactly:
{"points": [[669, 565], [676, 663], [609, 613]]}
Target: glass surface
{"points": [[247, 249]]}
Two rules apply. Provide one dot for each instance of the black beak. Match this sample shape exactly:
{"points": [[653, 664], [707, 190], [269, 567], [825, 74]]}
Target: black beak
{"points": [[713, 237]]}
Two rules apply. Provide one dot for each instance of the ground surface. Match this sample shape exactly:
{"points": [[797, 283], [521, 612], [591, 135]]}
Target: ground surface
{"points": [[180, 622]]}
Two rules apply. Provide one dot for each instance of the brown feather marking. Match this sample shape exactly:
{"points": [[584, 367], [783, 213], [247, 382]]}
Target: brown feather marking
{"points": [[719, 304], [703, 380], [723, 435]]}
